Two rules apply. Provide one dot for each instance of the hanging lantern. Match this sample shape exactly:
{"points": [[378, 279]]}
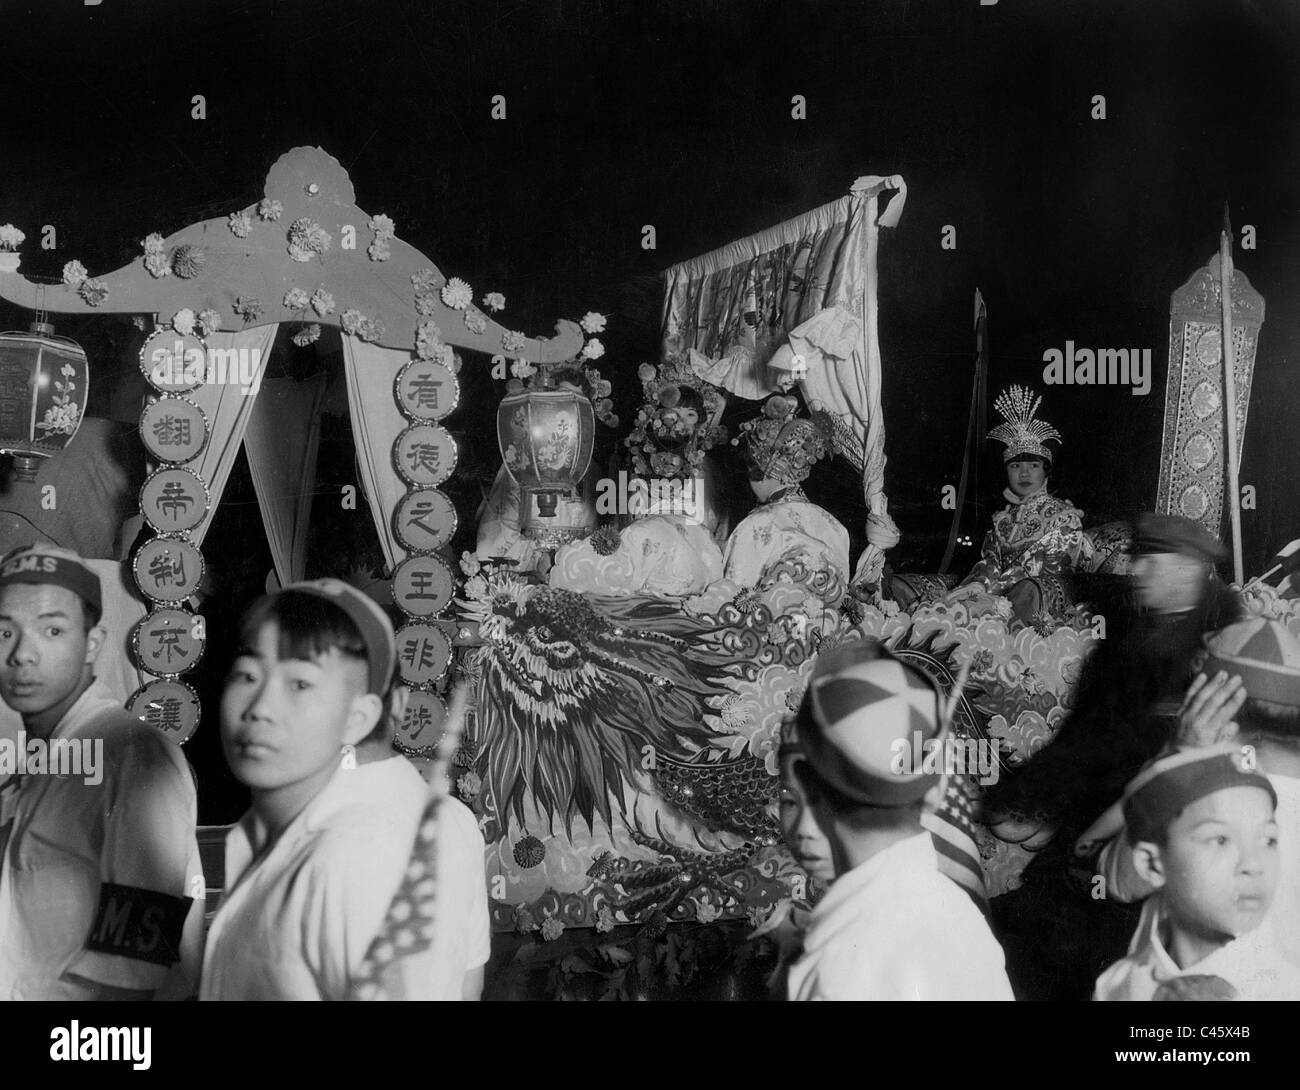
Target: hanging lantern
{"points": [[546, 438], [44, 381]]}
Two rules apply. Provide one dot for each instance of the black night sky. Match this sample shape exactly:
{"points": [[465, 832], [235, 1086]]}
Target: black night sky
{"points": [[678, 115]]}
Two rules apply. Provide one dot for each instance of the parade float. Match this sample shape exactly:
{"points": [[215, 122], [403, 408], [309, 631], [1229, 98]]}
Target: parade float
{"points": [[620, 748]]}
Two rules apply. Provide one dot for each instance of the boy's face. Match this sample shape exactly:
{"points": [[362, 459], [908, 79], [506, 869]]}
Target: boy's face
{"points": [[45, 649], [284, 722], [1219, 864], [1026, 476], [803, 836]]}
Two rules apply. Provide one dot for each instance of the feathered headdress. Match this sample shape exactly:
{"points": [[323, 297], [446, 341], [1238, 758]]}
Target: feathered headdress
{"points": [[1022, 433]]}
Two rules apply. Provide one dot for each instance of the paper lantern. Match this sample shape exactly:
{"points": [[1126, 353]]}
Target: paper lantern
{"points": [[44, 381], [546, 438]]}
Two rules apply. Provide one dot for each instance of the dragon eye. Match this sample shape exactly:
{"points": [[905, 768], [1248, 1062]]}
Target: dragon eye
{"points": [[544, 633]]}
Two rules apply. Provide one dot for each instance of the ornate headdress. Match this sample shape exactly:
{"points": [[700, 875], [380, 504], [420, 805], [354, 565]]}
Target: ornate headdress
{"points": [[1022, 433], [665, 442], [782, 446]]}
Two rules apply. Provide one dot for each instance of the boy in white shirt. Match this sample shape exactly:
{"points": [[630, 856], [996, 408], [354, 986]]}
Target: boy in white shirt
{"points": [[1204, 835], [892, 926], [312, 867]]}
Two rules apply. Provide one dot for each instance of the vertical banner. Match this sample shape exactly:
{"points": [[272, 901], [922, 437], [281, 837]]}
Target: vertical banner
{"points": [[1193, 451]]}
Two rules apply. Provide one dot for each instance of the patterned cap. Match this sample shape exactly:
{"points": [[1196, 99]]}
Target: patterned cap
{"points": [[371, 621], [52, 565], [868, 709], [1168, 785], [1263, 654], [1022, 432]]}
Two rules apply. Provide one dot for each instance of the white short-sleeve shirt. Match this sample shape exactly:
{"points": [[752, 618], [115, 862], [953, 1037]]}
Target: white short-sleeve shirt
{"points": [[130, 839], [297, 922]]}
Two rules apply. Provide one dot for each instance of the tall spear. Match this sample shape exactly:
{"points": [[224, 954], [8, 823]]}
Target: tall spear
{"points": [[1230, 393]]}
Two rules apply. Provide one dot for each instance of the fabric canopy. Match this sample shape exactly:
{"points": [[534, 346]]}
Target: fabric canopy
{"points": [[281, 444], [798, 303]]}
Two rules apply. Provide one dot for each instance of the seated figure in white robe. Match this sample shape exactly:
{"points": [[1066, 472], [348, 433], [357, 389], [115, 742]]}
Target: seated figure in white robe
{"points": [[787, 529]]}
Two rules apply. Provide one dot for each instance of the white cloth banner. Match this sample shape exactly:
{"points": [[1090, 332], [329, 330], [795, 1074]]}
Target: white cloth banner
{"points": [[281, 443], [228, 406], [376, 423]]}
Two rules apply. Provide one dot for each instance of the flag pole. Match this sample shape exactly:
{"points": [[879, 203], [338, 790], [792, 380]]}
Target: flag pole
{"points": [[1230, 394], [974, 425]]}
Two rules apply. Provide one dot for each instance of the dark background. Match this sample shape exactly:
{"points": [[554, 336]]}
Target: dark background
{"points": [[678, 115]]}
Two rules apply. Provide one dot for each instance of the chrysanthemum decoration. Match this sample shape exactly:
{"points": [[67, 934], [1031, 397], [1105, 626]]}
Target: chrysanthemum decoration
{"points": [[468, 786], [322, 302], [495, 302], [529, 851], [592, 323], [605, 540], [372, 330], [457, 294], [296, 299], [269, 210], [74, 272], [522, 369], [426, 304], [384, 230], [93, 292], [475, 322], [604, 920], [248, 307], [593, 349], [513, 341], [209, 321], [307, 239], [307, 334], [155, 256], [183, 321], [351, 320], [188, 261], [240, 223], [10, 238], [552, 929], [525, 921]]}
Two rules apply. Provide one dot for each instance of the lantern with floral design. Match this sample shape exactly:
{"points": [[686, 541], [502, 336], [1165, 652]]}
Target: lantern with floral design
{"points": [[44, 381], [546, 437]]}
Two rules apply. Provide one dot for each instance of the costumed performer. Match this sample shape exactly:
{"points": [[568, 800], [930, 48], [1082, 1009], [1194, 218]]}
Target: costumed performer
{"points": [[786, 527]]}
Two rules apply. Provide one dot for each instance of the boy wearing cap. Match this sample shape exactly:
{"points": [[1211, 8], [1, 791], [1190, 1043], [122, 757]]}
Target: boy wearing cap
{"points": [[101, 885], [1202, 824], [313, 865], [892, 926]]}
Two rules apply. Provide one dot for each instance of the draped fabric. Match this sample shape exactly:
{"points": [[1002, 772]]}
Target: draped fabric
{"points": [[228, 409], [281, 443], [755, 314], [376, 423]]}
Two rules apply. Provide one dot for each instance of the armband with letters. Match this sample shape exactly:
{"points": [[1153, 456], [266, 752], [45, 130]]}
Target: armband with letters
{"points": [[139, 923]]}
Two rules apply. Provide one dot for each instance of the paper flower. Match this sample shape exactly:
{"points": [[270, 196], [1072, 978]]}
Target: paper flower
{"points": [[552, 929], [604, 920], [209, 321], [707, 912], [457, 294], [383, 226], [268, 209], [470, 563], [351, 320], [646, 372], [183, 321], [74, 272], [322, 302], [425, 280], [240, 223], [523, 369], [529, 851], [378, 250], [93, 292], [248, 307], [10, 237], [428, 339], [593, 349], [296, 299], [372, 330], [308, 334], [188, 261], [155, 256], [475, 322], [592, 323], [469, 785], [513, 341], [524, 919], [446, 357], [494, 301], [426, 304], [307, 239]]}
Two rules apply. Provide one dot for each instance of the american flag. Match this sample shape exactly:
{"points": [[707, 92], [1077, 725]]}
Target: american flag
{"points": [[951, 827], [1283, 571]]}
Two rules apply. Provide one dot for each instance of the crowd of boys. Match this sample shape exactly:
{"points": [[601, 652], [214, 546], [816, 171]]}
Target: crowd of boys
{"points": [[1184, 797]]}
